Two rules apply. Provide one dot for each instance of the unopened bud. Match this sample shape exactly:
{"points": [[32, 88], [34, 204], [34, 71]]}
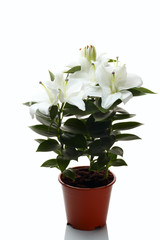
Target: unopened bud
{"points": [[89, 52]]}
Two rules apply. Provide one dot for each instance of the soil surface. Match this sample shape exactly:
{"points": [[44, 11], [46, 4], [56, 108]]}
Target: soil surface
{"points": [[88, 179]]}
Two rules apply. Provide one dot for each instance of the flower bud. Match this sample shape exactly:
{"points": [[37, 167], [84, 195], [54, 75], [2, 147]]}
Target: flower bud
{"points": [[89, 52]]}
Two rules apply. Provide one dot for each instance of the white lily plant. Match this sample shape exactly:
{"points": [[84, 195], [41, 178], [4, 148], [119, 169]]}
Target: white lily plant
{"points": [[87, 95]]}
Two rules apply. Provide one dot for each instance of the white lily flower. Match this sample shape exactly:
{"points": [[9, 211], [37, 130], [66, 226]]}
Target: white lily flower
{"points": [[70, 90], [87, 75], [115, 82], [88, 61], [49, 97]]}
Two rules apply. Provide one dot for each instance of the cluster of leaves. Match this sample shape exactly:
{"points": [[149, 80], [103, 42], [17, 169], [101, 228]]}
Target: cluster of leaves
{"points": [[71, 133]]}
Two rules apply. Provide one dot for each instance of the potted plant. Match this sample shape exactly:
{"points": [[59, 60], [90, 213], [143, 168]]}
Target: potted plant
{"points": [[81, 116]]}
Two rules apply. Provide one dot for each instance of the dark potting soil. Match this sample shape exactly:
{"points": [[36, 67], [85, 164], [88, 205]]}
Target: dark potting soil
{"points": [[88, 179]]}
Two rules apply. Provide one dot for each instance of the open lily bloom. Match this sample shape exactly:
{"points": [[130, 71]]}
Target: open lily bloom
{"points": [[85, 76], [115, 82], [47, 98], [88, 61], [69, 90], [61, 90]]}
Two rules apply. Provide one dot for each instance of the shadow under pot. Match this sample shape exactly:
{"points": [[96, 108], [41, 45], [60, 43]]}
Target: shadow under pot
{"points": [[86, 206]]}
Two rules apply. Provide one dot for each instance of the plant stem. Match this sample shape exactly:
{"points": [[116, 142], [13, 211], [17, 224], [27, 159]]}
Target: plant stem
{"points": [[60, 117], [92, 155], [106, 171]]}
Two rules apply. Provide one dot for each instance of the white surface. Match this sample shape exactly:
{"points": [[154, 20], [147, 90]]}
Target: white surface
{"points": [[100, 234], [41, 35]]}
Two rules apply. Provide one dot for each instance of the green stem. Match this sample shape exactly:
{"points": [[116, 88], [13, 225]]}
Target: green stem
{"points": [[60, 117], [91, 157], [106, 171]]}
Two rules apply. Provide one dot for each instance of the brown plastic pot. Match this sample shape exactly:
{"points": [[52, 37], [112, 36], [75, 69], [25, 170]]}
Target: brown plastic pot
{"points": [[86, 208]]}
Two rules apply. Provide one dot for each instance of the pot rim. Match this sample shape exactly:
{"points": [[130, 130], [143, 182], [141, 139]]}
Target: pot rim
{"points": [[86, 189]]}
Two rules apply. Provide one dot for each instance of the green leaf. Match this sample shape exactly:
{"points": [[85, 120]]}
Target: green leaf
{"points": [[70, 109], [40, 140], [75, 141], [123, 116], [98, 129], [70, 173], [74, 125], [102, 161], [97, 147], [116, 150], [90, 107], [62, 163], [43, 118], [135, 92], [103, 110], [99, 116], [28, 104], [144, 90], [52, 77], [126, 125], [117, 163], [74, 69], [140, 91], [112, 156], [71, 153], [94, 166], [48, 145], [45, 130], [99, 164], [112, 60], [59, 163], [121, 110], [53, 111], [50, 163], [126, 137], [108, 142]]}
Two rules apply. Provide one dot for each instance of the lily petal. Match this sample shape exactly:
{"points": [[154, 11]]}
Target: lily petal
{"points": [[126, 96], [92, 91], [103, 76], [108, 99], [131, 81], [77, 101], [41, 106]]}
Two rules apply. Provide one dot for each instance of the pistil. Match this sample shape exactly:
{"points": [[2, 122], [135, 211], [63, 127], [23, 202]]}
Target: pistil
{"points": [[113, 84], [117, 61]]}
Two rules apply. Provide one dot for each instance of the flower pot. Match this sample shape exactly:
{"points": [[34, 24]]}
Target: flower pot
{"points": [[86, 208]]}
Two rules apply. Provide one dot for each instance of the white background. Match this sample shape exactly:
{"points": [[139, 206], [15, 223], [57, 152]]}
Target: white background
{"points": [[38, 35]]}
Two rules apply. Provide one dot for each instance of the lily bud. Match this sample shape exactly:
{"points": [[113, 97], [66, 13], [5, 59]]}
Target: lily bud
{"points": [[89, 52], [93, 53]]}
